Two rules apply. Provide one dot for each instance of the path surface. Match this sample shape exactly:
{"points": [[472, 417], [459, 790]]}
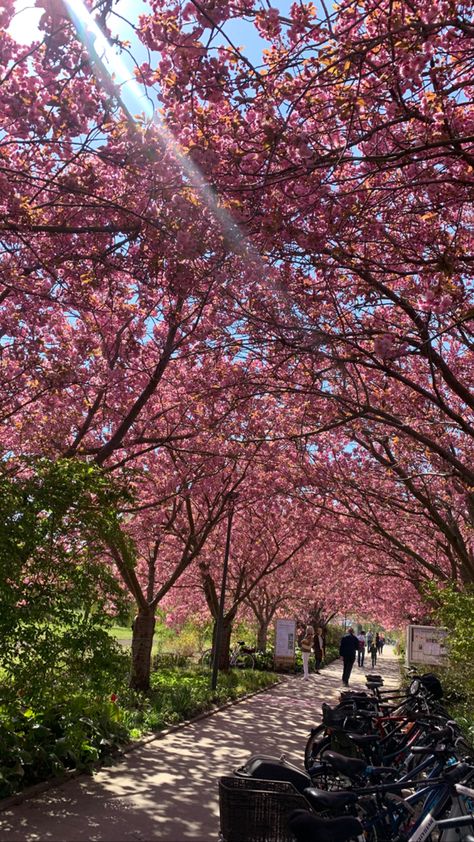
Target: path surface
{"points": [[167, 790]]}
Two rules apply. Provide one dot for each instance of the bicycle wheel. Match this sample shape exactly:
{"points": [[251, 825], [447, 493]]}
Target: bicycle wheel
{"points": [[245, 662], [317, 742], [206, 659]]}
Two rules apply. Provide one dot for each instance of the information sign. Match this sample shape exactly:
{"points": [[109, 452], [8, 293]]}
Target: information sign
{"points": [[426, 645], [285, 641]]}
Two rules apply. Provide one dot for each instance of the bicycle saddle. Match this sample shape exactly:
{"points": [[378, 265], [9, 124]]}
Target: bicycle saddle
{"points": [[307, 827], [349, 766], [355, 696], [456, 773], [320, 799]]}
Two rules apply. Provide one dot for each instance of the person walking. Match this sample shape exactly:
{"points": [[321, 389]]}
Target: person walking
{"points": [[377, 642], [382, 643], [347, 650], [306, 644], [369, 641], [319, 648], [361, 650], [373, 653]]}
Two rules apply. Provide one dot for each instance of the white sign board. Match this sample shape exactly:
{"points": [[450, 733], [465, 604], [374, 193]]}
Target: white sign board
{"points": [[426, 645], [285, 640]]}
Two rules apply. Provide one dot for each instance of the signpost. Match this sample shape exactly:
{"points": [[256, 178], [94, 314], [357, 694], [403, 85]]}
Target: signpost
{"points": [[285, 641], [426, 645]]}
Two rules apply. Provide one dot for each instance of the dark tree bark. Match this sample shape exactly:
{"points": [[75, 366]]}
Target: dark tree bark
{"points": [[262, 635], [142, 642], [226, 633]]}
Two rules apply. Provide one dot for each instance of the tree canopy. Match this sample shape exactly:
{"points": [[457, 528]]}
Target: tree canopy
{"points": [[267, 288]]}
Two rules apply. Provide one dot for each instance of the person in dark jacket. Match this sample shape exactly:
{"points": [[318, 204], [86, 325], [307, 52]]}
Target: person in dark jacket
{"points": [[373, 653], [347, 650], [319, 647]]}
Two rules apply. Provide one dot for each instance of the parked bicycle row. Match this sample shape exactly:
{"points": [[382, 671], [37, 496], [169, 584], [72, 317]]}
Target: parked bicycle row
{"points": [[381, 767]]}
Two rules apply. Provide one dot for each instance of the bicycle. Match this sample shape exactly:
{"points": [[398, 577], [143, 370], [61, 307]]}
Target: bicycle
{"points": [[440, 811], [241, 656], [452, 798], [374, 727]]}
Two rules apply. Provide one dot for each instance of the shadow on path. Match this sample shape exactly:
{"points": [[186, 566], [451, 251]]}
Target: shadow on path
{"points": [[167, 789]]}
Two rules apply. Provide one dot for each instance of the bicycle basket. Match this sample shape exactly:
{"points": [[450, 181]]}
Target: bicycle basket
{"points": [[257, 811]]}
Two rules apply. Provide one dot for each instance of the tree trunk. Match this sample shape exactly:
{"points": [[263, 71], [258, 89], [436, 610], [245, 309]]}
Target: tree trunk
{"points": [[224, 649], [142, 642], [262, 635]]}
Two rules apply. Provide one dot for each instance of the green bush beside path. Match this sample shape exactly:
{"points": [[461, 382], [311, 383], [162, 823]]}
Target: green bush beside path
{"points": [[77, 732]]}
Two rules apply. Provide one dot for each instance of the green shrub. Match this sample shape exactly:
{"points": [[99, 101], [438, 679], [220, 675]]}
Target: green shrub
{"points": [[35, 745], [177, 694], [264, 660], [332, 653], [164, 660], [454, 609], [56, 593]]}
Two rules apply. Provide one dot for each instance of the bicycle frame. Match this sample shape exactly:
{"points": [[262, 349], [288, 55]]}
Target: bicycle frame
{"points": [[450, 827], [435, 795], [234, 655]]}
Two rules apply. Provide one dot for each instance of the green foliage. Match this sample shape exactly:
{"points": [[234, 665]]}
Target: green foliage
{"points": [[400, 647], [243, 630], [39, 743], [166, 660], [334, 632], [177, 694], [454, 610], [56, 592], [35, 745], [194, 637], [264, 660], [332, 653]]}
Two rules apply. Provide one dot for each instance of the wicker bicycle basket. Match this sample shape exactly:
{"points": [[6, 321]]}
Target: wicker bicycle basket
{"points": [[254, 810]]}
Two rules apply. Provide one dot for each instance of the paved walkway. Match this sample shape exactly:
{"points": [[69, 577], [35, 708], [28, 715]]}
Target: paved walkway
{"points": [[167, 790]]}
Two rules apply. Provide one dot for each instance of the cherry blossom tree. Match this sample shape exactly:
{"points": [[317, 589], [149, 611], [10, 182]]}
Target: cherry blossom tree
{"points": [[348, 156], [301, 329]]}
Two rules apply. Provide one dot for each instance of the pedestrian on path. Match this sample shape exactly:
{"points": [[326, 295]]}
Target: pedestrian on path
{"points": [[373, 653], [361, 651], [319, 648], [369, 641], [347, 650], [306, 644], [381, 643]]}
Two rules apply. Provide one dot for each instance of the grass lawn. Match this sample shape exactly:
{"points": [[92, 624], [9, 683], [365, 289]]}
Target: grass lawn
{"points": [[161, 641], [121, 632]]}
